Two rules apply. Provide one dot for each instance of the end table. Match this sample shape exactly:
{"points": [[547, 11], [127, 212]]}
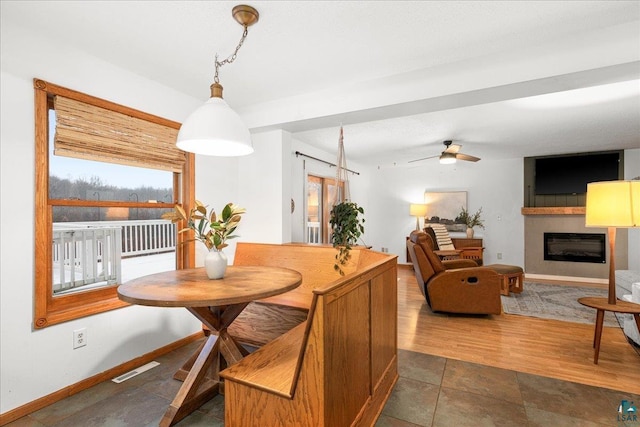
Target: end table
{"points": [[602, 305]]}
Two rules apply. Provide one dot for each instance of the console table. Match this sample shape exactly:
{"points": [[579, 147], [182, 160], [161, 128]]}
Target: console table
{"points": [[216, 303], [471, 248]]}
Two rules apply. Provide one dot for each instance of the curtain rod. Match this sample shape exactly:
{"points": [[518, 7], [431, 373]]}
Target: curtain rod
{"points": [[323, 161]]}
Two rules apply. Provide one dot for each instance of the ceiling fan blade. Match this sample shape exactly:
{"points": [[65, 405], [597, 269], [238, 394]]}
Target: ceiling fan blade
{"points": [[424, 158], [453, 148], [467, 157]]}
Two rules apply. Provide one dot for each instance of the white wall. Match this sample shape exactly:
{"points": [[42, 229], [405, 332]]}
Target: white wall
{"points": [[265, 190], [496, 186], [631, 171], [301, 167], [216, 185], [34, 363], [386, 194]]}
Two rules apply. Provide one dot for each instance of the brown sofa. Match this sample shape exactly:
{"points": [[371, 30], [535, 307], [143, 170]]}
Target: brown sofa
{"points": [[456, 286]]}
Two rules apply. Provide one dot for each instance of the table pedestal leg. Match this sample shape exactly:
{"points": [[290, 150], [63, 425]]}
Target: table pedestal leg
{"points": [[200, 373], [197, 387], [182, 373], [597, 336]]}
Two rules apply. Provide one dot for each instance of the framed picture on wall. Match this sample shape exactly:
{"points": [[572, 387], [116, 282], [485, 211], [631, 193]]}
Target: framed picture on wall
{"points": [[444, 208]]}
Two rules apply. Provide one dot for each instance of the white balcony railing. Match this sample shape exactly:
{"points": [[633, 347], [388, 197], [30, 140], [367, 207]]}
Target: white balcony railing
{"points": [[147, 237], [313, 232], [90, 253], [84, 256]]}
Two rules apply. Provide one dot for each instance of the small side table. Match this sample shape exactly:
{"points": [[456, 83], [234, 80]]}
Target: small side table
{"points": [[602, 305]]}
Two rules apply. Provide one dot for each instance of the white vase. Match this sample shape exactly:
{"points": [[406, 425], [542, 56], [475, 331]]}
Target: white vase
{"points": [[469, 233], [215, 264]]}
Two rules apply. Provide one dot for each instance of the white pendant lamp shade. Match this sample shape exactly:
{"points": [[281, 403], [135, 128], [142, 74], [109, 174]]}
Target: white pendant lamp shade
{"points": [[214, 129]]}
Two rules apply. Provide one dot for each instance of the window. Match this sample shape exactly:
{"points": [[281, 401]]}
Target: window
{"points": [[105, 173], [321, 194]]}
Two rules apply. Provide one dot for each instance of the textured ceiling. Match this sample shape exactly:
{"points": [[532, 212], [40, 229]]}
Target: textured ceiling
{"points": [[305, 47]]}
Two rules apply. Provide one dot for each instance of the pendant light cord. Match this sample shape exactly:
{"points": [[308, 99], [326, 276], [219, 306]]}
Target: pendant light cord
{"points": [[341, 173], [233, 56]]}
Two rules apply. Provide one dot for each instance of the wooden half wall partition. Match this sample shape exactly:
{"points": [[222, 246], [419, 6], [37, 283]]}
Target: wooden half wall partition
{"points": [[338, 367]]}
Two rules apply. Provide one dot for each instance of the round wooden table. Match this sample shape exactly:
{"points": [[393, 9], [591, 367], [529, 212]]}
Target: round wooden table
{"points": [[216, 303], [602, 305]]}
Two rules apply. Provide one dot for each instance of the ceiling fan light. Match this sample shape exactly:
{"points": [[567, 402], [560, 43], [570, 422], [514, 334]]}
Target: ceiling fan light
{"points": [[214, 129], [447, 158]]}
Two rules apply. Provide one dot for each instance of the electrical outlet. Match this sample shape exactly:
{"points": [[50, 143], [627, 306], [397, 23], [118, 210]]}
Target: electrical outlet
{"points": [[499, 255], [79, 338]]}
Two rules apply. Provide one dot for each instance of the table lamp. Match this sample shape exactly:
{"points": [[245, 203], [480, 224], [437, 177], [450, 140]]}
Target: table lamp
{"points": [[613, 204], [418, 210]]}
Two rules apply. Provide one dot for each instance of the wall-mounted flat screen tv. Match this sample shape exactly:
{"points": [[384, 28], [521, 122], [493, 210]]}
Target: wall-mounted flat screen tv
{"points": [[570, 174]]}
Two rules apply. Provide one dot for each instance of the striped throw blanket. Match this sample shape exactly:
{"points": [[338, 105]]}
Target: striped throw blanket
{"points": [[442, 236]]}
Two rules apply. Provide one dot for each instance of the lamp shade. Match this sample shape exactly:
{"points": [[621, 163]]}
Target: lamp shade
{"points": [[214, 129], [613, 204], [417, 209]]}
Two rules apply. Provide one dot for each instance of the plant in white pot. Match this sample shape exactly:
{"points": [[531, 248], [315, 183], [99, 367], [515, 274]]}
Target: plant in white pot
{"points": [[470, 220], [211, 230]]}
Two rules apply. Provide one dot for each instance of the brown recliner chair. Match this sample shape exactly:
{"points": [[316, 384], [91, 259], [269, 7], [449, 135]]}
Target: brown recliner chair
{"points": [[454, 287]]}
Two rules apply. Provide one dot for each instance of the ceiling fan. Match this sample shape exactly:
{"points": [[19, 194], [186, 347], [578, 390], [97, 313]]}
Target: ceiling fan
{"points": [[450, 154]]}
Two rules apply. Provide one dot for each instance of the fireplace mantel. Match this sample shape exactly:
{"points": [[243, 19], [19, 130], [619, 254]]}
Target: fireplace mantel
{"points": [[555, 210]]}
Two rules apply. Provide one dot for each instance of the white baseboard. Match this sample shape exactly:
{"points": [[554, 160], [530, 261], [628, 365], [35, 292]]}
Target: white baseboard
{"points": [[566, 278]]}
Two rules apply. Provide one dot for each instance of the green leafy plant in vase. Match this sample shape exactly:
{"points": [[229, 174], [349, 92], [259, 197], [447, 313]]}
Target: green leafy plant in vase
{"points": [[210, 229], [470, 220], [346, 228]]}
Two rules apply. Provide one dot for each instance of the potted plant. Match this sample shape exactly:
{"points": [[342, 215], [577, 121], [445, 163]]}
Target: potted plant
{"points": [[346, 228], [211, 230], [470, 220]]}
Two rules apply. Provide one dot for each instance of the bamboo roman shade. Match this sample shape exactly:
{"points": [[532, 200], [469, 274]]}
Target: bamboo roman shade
{"points": [[90, 132]]}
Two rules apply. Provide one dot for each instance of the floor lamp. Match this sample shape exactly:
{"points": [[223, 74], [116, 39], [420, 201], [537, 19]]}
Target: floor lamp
{"points": [[613, 204], [418, 210]]}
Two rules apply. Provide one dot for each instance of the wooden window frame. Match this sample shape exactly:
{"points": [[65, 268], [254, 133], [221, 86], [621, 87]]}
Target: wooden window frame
{"points": [[50, 310]]}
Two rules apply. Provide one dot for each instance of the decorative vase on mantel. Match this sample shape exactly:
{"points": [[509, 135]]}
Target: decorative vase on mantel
{"points": [[215, 264], [469, 232]]}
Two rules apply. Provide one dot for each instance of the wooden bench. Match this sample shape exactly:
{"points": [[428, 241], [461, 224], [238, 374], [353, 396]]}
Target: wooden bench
{"points": [[335, 368]]}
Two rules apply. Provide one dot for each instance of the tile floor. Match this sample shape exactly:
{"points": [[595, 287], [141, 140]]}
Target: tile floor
{"points": [[431, 391]]}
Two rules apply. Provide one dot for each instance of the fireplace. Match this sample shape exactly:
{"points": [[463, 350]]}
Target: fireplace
{"points": [[575, 247]]}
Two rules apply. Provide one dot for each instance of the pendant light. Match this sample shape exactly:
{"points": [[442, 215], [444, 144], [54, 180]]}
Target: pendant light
{"points": [[214, 129]]}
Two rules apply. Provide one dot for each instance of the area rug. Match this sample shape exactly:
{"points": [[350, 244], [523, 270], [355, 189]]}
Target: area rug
{"points": [[558, 302]]}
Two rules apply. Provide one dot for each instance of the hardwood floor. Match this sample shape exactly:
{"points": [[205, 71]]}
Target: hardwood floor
{"points": [[543, 347]]}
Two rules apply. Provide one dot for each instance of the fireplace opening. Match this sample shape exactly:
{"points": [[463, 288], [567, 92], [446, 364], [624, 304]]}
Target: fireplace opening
{"points": [[575, 247]]}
